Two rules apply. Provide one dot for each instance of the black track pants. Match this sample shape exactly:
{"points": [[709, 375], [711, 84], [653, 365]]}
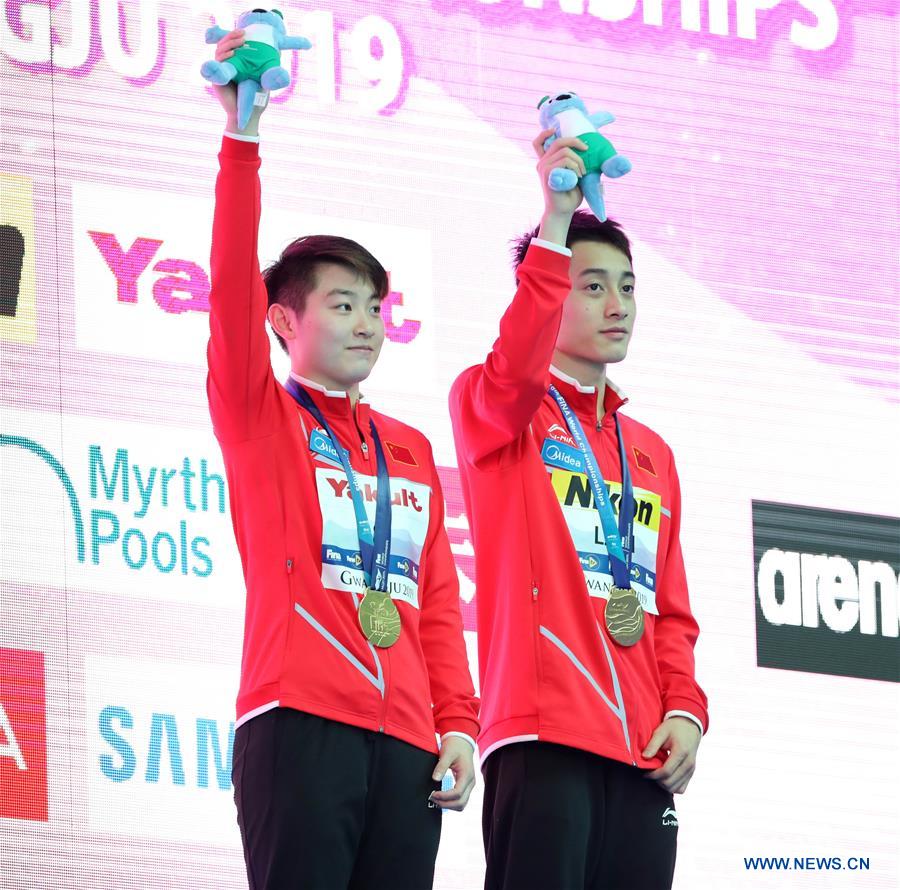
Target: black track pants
{"points": [[327, 806], [556, 818]]}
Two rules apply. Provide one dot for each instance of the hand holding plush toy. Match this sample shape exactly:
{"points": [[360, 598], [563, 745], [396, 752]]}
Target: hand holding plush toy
{"points": [[256, 65], [568, 116]]}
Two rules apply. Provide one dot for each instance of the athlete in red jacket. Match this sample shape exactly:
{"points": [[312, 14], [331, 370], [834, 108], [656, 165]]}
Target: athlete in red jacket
{"points": [[354, 657], [585, 631]]}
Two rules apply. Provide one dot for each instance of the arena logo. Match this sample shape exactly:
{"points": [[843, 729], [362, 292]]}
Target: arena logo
{"points": [[23, 736], [827, 591]]}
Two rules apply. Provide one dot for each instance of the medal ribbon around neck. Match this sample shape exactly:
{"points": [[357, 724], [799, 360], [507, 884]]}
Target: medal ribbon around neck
{"points": [[619, 535], [377, 609]]}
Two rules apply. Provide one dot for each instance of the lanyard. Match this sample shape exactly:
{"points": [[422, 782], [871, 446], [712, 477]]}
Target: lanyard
{"points": [[618, 535], [374, 545]]}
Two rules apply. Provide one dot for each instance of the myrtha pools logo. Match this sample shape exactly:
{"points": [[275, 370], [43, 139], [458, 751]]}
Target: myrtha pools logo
{"points": [[142, 509]]}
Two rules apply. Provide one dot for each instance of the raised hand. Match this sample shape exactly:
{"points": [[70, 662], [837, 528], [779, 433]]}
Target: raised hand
{"points": [[227, 93], [560, 161]]}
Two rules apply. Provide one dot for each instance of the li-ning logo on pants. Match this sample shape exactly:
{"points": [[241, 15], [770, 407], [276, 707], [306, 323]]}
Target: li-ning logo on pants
{"points": [[670, 817]]}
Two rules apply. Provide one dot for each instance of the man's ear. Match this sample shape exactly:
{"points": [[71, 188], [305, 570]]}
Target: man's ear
{"points": [[283, 320]]}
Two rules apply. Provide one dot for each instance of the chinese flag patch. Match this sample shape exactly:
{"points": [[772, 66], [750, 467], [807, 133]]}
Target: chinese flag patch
{"points": [[643, 461], [401, 454]]}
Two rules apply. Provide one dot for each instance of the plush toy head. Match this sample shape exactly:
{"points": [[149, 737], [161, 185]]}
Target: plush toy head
{"points": [[550, 106], [567, 117], [254, 66], [274, 18]]}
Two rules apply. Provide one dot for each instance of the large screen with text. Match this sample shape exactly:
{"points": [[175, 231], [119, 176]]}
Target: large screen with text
{"points": [[762, 206]]}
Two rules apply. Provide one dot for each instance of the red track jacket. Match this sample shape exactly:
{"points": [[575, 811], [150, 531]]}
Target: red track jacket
{"points": [[295, 528], [548, 668]]}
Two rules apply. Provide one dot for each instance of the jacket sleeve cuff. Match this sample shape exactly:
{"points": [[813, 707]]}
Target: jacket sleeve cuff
{"points": [[459, 735], [458, 724], [687, 704], [686, 714], [238, 148], [551, 245], [547, 258], [242, 137]]}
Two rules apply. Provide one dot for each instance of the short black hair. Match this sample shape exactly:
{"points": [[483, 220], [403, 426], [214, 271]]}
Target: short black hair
{"points": [[294, 274], [584, 227]]}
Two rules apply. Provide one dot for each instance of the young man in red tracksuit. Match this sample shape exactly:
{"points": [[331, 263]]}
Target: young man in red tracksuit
{"points": [[354, 657], [591, 716]]}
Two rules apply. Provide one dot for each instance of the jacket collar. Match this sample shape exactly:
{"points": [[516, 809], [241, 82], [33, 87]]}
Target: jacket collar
{"points": [[583, 399], [335, 403]]}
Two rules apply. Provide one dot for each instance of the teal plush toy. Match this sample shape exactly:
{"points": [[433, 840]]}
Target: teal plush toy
{"points": [[569, 117], [256, 65]]}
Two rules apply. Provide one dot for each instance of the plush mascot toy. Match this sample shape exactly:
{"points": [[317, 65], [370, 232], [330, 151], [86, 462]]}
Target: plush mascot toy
{"points": [[256, 65], [568, 116]]}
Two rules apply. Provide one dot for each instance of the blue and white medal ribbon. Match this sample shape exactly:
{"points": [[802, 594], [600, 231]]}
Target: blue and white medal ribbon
{"points": [[378, 615], [624, 614]]}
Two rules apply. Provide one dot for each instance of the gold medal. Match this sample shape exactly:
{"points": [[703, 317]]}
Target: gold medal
{"points": [[624, 616], [379, 618]]}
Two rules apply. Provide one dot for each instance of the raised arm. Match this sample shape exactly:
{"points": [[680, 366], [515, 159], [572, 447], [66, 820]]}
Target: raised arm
{"points": [[240, 386], [492, 404]]}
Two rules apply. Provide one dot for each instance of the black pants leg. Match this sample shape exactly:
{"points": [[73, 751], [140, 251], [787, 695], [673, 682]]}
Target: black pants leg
{"points": [[557, 818], [402, 833], [312, 796], [638, 848]]}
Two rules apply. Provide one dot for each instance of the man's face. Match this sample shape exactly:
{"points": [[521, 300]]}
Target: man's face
{"points": [[598, 315], [338, 336]]}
